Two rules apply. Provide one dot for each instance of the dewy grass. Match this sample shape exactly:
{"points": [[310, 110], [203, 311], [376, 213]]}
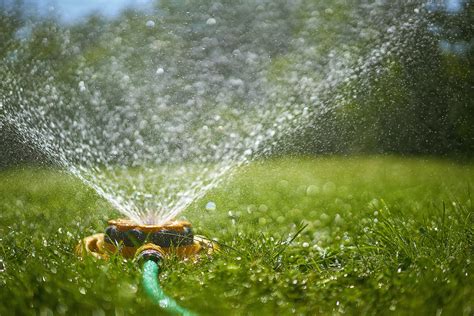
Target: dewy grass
{"points": [[368, 235]]}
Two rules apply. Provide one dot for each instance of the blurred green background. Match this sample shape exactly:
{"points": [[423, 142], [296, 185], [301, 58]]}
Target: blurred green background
{"points": [[421, 103]]}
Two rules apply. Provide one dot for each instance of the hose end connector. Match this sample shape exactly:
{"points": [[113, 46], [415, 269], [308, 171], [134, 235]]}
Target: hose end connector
{"points": [[149, 252]]}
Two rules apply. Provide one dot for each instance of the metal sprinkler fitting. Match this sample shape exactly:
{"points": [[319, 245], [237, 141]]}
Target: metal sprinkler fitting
{"points": [[132, 240]]}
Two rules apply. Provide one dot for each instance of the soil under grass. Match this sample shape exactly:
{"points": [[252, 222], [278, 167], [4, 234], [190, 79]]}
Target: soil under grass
{"points": [[380, 235]]}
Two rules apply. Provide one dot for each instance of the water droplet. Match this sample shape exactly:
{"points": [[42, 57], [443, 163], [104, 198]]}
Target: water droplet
{"points": [[211, 21], [82, 86], [211, 206], [283, 184], [150, 24], [160, 71], [323, 217], [82, 290], [312, 190], [329, 187]]}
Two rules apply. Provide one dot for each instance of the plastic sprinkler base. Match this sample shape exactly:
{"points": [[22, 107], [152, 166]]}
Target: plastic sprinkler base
{"points": [[132, 240]]}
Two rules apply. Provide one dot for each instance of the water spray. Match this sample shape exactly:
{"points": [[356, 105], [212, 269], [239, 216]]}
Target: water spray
{"points": [[149, 245]]}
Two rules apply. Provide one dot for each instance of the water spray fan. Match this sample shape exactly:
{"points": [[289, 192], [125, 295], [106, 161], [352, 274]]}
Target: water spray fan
{"points": [[150, 245]]}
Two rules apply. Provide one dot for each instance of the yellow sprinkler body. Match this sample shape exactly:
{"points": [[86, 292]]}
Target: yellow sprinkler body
{"points": [[132, 240]]}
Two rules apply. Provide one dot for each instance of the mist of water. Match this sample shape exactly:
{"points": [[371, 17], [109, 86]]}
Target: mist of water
{"points": [[183, 96]]}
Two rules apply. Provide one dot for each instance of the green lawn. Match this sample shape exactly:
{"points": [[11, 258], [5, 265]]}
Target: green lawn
{"points": [[381, 235]]}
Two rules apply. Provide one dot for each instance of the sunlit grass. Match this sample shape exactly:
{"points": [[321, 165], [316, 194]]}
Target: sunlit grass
{"points": [[373, 235]]}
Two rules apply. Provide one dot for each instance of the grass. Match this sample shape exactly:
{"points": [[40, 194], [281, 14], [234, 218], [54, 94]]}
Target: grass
{"points": [[365, 235]]}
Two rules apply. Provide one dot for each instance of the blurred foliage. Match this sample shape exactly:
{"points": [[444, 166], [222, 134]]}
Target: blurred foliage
{"points": [[417, 101]]}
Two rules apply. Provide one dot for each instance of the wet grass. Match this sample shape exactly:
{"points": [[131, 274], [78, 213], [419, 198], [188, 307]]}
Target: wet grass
{"points": [[368, 235]]}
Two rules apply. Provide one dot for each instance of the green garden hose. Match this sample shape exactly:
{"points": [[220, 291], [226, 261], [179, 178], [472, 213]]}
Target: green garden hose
{"points": [[156, 293]]}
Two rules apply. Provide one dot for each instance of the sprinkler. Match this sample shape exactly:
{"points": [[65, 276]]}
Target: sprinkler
{"points": [[148, 245], [132, 240]]}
